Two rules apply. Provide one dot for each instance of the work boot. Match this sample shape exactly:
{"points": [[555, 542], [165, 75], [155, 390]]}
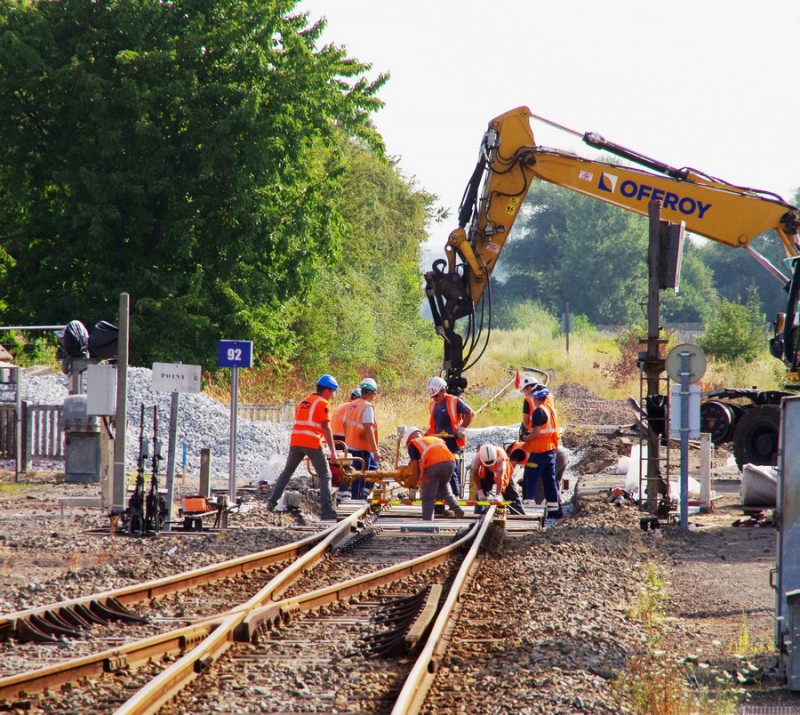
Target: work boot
{"points": [[329, 515], [557, 514], [272, 505], [458, 512]]}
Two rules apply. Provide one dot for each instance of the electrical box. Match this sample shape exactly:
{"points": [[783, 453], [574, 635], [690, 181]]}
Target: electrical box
{"points": [[101, 390]]}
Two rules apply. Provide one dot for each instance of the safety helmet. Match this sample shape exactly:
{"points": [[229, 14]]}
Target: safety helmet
{"points": [[487, 453], [435, 386], [541, 392], [369, 385], [529, 381], [328, 381], [355, 394], [409, 433]]}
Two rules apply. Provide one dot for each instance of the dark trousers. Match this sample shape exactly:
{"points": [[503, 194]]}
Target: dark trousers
{"points": [[360, 487], [540, 465]]}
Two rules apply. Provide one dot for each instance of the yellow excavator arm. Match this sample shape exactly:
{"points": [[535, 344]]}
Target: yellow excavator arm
{"points": [[508, 164]]}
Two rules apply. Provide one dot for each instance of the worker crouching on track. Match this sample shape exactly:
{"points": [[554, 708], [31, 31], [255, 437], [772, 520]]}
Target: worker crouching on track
{"points": [[361, 435], [490, 469], [311, 430], [542, 441], [432, 466]]}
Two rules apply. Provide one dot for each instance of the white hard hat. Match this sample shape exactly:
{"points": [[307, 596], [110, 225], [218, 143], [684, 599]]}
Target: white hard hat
{"points": [[529, 381], [435, 386], [488, 455], [409, 433], [369, 385]]}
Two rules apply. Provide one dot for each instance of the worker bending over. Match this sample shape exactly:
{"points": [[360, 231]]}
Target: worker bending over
{"points": [[492, 469], [432, 466]]}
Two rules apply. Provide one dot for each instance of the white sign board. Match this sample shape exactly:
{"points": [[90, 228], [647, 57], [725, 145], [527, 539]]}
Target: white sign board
{"points": [[676, 406], [176, 377]]}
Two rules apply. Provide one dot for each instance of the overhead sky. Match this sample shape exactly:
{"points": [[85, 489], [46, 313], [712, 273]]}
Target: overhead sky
{"points": [[710, 84]]}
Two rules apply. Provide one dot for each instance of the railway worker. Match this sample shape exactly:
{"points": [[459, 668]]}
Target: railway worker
{"points": [[311, 430], [518, 454], [361, 436], [432, 465], [542, 442], [337, 417], [492, 469], [449, 415]]}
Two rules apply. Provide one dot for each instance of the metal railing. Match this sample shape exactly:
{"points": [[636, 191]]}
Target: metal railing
{"points": [[274, 412], [42, 433]]}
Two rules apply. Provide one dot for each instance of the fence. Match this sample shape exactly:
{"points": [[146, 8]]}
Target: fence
{"points": [[276, 412], [42, 433]]}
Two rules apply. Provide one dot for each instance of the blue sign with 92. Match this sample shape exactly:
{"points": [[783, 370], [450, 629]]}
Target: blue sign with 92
{"points": [[235, 353]]}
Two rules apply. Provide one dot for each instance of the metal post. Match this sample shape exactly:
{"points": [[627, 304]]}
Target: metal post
{"points": [[173, 440], [685, 373], [205, 473], [568, 326], [19, 464], [120, 418], [705, 471], [653, 362], [234, 420]]}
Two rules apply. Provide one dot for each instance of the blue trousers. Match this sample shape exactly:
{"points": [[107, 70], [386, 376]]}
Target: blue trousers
{"points": [[360, 488], [540, 465]]}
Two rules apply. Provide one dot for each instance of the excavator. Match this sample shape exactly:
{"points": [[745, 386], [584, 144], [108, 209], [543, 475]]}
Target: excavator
{"points": [[458, 286]]}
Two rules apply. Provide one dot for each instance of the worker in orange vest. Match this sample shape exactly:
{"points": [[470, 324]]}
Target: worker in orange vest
{"points": [[542, 442], [492, 469], [432, 465], [361, 435], [311, 430], [337, 417], [451, 415]]}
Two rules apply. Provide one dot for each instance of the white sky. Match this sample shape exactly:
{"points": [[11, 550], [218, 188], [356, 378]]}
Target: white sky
{"points": [[711, 84]]}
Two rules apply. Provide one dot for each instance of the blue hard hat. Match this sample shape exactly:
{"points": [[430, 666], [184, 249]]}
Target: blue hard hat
{"points": [[541, 393], [328, 381]]}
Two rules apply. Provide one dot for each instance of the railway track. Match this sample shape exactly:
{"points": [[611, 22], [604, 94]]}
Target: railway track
{"points": [[383, 611]]}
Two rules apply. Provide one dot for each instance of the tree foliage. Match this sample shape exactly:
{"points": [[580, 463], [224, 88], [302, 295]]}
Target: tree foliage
{"points": [[737, 331], [188, 153]]}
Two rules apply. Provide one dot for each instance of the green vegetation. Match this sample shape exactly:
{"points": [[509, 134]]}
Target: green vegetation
{"points": [[656, 682]]}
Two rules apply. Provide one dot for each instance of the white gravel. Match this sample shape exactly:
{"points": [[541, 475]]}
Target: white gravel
{"points": [[203, 422]]}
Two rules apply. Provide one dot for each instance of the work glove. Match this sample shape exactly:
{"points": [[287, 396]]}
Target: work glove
{"points": [[459, 434], [481, 495]]}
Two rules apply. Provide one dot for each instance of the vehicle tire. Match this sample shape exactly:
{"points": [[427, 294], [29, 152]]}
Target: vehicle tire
{"points": [[756, 438], [717, 418]]}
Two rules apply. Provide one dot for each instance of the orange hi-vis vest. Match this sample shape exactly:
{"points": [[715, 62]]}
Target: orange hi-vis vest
{"points": [[308, 419], [501, 471], [547, 439], [337, 418], [526, 417], [432, 451], [355, 431], [451, 402]]}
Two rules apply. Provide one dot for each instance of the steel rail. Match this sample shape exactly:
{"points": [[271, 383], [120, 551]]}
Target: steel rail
{"points": [[149, 699], [282, 611], [419, 681], [17, 624], [172, 642]]}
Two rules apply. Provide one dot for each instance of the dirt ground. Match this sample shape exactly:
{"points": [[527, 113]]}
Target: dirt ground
{"points": [[718, 604]]}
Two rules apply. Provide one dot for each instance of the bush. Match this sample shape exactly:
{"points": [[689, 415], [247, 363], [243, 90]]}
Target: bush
{"points": [[737, 332]]}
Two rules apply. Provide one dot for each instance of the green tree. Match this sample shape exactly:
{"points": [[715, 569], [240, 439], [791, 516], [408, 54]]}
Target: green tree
{"points": [[737, 332], [364, 309], [568, 248], [697, 297], [188, 153]]}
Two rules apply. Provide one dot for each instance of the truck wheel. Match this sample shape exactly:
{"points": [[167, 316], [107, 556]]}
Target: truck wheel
{"points": [[756, 437], [718, 420]]}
